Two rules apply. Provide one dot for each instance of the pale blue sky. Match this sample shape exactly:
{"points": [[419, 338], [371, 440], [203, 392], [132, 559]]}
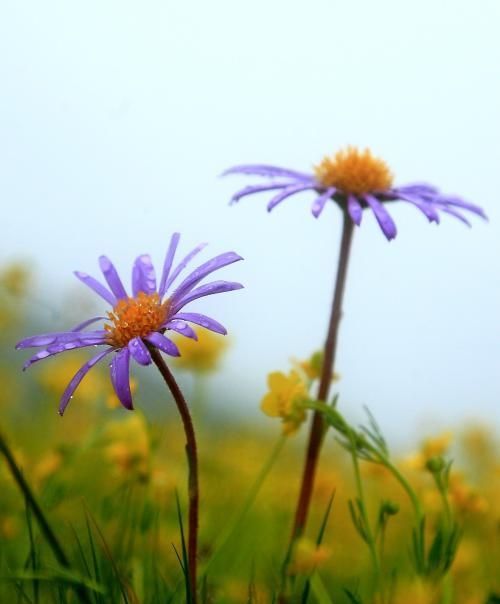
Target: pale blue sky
{"points": [[117, 117]]}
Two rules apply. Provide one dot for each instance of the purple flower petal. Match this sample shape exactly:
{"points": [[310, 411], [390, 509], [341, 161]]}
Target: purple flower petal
{"points": [[202, 320], [416, 188], [320, 202], [250, 190], [97, 287], [424, 206], [216, 287], [265, 170], [182, 328], [456, 214], [355, 210], [78, 377], [183, 263], [112, 278], [143, 275], [120, 377], [63, 337], [382, 215], [460, 203], [202, 271], [54, 350], [139, 351], [167, 265], [288, 192], [163, 343], [88, 322]]}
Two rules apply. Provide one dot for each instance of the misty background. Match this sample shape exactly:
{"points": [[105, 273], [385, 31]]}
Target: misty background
{"points": [[117, 118]]}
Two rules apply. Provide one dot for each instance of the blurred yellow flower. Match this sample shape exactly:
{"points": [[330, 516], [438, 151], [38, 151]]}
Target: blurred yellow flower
{"points": [[465, 498], [46, 466], [9, 527], [313, 366], [435, 446], [202, 355], [15, 278], [129, 445], [308, 556], [284, 399], [55, 378]]}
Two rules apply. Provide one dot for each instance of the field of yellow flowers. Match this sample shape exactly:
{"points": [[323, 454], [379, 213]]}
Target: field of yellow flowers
{"points": [[102, 514]]}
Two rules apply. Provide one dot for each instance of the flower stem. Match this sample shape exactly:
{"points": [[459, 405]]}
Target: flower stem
{"points": [[369, 537], [45, 527], [318, 425], [192, 457]]}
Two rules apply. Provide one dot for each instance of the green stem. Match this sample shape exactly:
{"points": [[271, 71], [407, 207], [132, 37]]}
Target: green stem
{"points": [[419, 513], [446, 505], [368, 531]]}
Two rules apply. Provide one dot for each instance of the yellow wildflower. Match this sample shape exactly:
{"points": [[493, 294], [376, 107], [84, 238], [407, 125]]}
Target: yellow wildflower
{"points": [[15, 279], [308, 556], [437, 445], [202, 355], [313, 366], [465, 498], [129, 448], [431, 447], [286, 393]]}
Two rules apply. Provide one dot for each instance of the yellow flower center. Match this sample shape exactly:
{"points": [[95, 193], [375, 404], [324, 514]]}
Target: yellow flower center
{"points": [[135, 318], [354, 171]]}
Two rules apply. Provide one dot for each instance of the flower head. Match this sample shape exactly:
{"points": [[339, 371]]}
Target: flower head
{"points": [[284, 399], [137, 322], [355, 180]]}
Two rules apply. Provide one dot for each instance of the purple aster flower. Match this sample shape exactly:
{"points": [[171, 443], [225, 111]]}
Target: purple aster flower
{"points": [[356, 181], [139, 322]]}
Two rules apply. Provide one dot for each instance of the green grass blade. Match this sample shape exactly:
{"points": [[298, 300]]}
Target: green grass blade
{"points": [[185, 563]]}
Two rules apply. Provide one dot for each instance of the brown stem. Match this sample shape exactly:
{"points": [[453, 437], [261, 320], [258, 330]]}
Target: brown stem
{"points": [[317, 426], [192, 457]]}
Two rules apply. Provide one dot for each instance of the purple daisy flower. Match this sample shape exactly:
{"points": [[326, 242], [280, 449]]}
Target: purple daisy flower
{"points": [[138, 322], [356, 181]]}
